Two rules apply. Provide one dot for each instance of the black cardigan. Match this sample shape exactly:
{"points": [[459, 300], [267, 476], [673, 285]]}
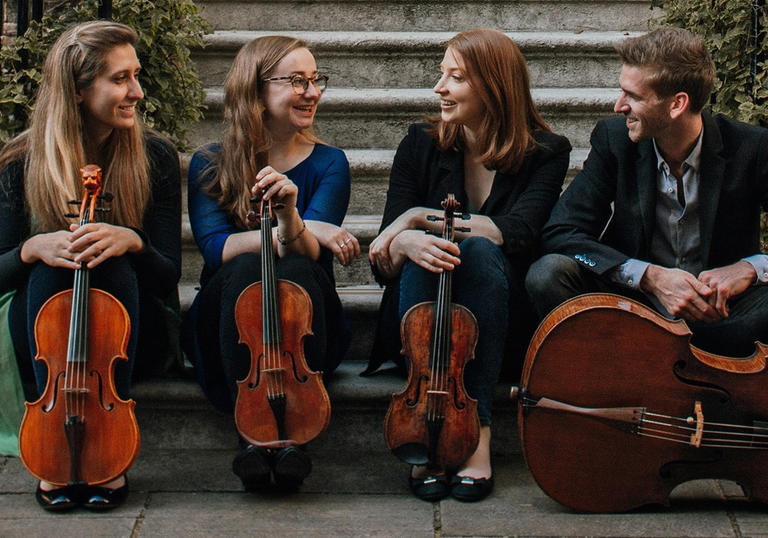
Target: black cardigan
{"points": [[519, 204]]}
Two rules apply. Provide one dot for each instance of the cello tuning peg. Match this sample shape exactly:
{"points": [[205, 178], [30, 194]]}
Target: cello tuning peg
{"points": [[434, 218]]}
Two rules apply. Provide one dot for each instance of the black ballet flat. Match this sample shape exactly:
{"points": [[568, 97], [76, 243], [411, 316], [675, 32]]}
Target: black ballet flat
{"points": [[430, 488], [251, 465], [99, 498], [468, 489], [56, 500], [291, 466]]}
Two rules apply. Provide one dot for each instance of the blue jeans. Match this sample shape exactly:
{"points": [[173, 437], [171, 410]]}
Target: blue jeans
{"points": [[485, 283], [555, 278]]}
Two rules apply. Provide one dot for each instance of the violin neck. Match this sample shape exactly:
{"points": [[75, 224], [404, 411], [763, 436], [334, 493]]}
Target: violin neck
{"points": [[271, 332], [77, 347]]}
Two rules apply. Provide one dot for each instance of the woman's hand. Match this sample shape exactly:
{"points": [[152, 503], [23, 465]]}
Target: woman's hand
{"points": [[433, 253], [343, 244], [272, 185], [98, 241], [50, 248]]}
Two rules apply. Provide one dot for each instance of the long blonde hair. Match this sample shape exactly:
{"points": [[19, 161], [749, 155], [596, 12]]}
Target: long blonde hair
{"points": [[245, 146], [496, 70], [53, 146]]}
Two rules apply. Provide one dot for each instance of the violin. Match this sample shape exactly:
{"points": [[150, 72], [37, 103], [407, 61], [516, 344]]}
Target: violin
{"points": [[79, 431], [281, 402], [616, 408], [433, 421]]}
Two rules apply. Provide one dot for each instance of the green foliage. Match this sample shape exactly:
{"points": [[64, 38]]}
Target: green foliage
{"points": [[167, 30], [739, 50]]}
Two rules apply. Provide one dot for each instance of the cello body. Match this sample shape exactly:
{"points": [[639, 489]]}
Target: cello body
{"points": [[617, 408]]}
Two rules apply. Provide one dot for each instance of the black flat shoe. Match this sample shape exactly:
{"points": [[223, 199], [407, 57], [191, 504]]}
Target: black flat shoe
{"points": [[56, 500], [291, 466], [468, 489], [99, 498], [430, 488], [251, 465]]}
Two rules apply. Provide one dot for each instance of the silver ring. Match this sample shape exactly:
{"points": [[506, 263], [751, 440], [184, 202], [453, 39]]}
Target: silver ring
{"points": [[342, 245], [347, 240]]}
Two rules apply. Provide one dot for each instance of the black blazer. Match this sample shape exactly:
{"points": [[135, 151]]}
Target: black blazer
{"points": [[607, 214], [519, 204]]}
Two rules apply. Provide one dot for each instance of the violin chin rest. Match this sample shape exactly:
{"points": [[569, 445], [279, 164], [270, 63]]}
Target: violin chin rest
{"points": [[413, 453]]}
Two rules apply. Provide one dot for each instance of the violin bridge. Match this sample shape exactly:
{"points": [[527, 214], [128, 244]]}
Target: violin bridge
{"points": [[76, 390]]}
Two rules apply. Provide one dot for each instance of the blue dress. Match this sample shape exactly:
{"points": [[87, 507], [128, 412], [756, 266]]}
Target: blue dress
{"points": [[323, 181]]}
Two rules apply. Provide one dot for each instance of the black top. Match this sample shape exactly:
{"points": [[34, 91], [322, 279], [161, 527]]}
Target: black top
{"points": [[158, 266], [519, 204]]}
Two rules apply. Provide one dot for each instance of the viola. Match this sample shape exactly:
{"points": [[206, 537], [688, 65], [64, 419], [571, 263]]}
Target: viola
{"points": [[616, 408], [79, 431], [281, 402], [433, 421]]}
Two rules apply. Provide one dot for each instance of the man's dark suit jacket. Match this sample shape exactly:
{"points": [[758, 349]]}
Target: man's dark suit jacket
{"points": [[607, 214]]}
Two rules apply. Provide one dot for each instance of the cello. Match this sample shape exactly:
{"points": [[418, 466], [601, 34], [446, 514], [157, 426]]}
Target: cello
{"points": [[433, 421], [80, 431], [281, 402], [616, 408]]}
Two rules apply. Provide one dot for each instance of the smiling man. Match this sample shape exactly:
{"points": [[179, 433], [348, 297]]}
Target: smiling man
{"points": [[667, 207]]}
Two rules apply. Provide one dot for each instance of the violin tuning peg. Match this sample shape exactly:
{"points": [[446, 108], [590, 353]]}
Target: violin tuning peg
{"points": [[74, 202], [465, 216], [434, 218], [106, 197], [103, 209], [71, 215], [252, 216], [463, 229]]}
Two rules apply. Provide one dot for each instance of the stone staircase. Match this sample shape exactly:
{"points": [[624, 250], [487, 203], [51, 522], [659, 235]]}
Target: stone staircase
{"points": [[382, 58]]}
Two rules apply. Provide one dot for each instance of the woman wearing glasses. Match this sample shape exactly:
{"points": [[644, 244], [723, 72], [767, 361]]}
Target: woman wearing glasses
{"points": [[490, 148], [268, 150]]}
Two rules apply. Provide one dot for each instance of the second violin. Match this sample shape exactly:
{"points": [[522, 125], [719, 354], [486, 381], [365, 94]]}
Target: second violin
{"points": [[433, 421], [281, 402]]}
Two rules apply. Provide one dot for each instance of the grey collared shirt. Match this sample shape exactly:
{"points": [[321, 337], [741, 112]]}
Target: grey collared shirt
{"points": [[676, 240]]}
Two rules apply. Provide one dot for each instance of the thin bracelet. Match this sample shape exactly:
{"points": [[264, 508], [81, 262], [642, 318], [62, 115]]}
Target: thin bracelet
{"points": [[283, 241]]}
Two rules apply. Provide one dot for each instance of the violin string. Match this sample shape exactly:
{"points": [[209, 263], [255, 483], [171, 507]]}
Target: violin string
{"points": [[267, 302]]}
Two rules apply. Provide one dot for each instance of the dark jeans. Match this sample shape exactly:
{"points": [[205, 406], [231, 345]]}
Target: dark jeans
{"points": [[115, 276], [224, 360], [555, 278], [485, 283]]}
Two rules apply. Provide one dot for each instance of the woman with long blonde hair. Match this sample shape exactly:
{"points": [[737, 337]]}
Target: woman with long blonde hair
{"points": [[491, 149], [85, 113], [268, 150]]}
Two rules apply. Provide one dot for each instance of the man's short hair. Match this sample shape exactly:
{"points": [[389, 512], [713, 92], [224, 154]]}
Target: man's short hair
{"points": [[677, 61]]}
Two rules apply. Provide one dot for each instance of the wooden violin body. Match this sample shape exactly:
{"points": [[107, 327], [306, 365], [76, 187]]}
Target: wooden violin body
{"points": [[111, 439], [79, 430], [407, 424], [617, 408], [281, 402], [279, 377], [433, 421]]}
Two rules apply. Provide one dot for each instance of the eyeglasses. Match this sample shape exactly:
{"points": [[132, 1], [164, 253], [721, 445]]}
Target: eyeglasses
{"points": [[300, 83]]}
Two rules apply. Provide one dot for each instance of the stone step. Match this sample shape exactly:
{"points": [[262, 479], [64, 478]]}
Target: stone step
{"points": [[411, 59], [370, 168], [174, 413], [379, 118], [428, 15]]}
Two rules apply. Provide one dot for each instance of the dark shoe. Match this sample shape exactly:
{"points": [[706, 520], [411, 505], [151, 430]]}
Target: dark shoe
{"points": [[292, 465], [468, 489], [252, 466], [56, 500], [100, 498], [430, 488]]}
